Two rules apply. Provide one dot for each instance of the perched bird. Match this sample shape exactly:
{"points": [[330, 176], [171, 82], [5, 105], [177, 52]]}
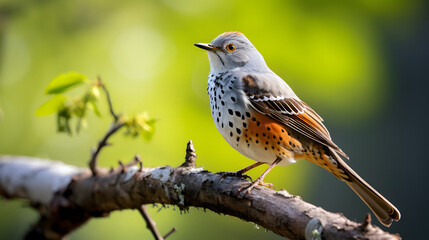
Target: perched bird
{"points": [[260, 116]]}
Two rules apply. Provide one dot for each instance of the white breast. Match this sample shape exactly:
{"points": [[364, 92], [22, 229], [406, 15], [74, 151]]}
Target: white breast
{"points": [[228, 108]]}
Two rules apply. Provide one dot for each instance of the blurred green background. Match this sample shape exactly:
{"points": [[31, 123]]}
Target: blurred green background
{"points": [[363, 65]]}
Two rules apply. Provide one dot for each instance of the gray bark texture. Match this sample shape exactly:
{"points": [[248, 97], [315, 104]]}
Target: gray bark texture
{"points": [[130, 187]]}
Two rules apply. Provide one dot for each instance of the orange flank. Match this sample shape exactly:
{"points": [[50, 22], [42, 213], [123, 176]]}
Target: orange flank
{"points": [[271, 136]]}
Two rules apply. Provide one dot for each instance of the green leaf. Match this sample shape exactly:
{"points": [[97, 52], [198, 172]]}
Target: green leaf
{"points": [[95, 92], [148, 131], [79, 107], [146, 126], [93, 106], [52, 106], [63, 121], [81, 123], [64, 82], [142, 125]]}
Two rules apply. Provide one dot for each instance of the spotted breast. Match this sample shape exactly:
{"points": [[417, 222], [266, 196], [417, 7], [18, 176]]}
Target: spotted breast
{"points": [[253, 134]]}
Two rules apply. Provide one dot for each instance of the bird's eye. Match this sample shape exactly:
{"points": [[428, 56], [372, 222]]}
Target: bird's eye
{"points": [[230, 47]]}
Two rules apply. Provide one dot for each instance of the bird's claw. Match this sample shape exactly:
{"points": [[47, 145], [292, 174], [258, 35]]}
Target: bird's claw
{"points": [[247, 189], [234, 174], [267, 185]]}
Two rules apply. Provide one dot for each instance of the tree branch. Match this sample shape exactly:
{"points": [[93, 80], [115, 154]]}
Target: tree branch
{"points": [[77, 196]]}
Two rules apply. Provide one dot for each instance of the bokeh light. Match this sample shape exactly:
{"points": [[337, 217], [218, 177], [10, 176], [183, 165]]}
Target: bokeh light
{"points": [[360, 64]]}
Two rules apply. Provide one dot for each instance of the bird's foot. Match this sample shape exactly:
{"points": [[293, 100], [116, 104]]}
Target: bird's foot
{"points": [[234, 174], [247, 189], [267, 185]]}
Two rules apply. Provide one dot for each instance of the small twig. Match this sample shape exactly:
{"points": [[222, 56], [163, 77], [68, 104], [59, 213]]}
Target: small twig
{"points": [[124, 168], [173, 230], [138, 159], [109, 101], [191, 156], [114, 127], [103, 142], [150, 223]]}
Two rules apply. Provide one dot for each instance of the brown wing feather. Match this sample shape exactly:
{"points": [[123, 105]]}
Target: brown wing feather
{"points": [[314, 123], [300, 117], [288, 109], [310, 121]]}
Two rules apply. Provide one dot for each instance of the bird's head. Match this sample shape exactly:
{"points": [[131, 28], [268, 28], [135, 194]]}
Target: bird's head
{"points": [[232, 50]]}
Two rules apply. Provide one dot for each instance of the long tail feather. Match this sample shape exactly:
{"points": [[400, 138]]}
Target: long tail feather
{"points": [[385, 211]]}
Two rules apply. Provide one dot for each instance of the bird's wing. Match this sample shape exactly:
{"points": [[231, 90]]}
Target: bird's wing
{"points": [[288, 109]]}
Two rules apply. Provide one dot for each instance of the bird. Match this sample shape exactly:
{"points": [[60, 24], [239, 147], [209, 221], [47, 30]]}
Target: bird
{"points": [[261, 117]]}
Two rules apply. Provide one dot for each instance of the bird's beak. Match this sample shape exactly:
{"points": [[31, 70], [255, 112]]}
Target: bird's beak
{"points": [[206, 46]]}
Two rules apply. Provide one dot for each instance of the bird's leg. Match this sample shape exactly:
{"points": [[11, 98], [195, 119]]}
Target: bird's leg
{"points": [[259, 180], [239, 173]]}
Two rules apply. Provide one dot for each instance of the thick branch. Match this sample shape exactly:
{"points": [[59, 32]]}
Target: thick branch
{"points": [[278, 211]]}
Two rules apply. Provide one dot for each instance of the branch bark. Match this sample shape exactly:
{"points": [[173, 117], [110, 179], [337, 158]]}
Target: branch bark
{"points": [[75, 195]]}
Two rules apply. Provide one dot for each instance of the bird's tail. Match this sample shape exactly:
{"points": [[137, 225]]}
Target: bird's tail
{"points": [[380, 206]]}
